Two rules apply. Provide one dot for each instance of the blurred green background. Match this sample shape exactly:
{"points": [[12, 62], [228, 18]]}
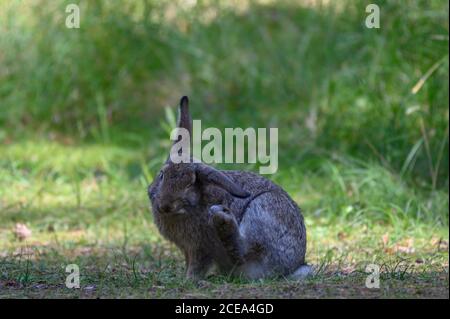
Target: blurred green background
{"points": [[85, 113], [335, 89]]}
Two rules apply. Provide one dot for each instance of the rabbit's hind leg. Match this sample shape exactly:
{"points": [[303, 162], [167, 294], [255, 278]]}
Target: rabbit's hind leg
{"points": [[228, 232]]}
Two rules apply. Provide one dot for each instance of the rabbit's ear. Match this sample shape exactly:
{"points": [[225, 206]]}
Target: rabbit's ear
{"points": [[208, 174], [185, 122], [184, 118]]}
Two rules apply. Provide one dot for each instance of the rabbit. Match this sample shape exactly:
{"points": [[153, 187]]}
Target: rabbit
{"points": [[238, 221]]}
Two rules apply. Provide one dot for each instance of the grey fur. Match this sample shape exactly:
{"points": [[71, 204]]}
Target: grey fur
{"points": [[239, 221], [303, 272]]}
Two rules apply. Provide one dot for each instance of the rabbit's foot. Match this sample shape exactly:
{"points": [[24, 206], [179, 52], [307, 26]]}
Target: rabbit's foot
{"points": [[228, 232], [222, 220], [197, 265], [218, 208]]}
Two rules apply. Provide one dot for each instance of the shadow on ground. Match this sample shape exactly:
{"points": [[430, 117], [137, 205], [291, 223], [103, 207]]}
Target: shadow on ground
{"points": [[157, 271]]}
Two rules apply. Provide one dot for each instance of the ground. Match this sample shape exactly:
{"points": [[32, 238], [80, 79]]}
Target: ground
{"points": [[102, 223]]}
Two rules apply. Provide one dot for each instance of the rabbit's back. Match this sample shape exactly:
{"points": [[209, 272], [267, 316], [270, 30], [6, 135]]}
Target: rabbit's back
{"points": [[257, 186]]}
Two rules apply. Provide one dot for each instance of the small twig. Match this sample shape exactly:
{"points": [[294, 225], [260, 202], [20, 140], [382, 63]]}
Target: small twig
{"points": [[427, 150], [427, 74], [379, 155]]}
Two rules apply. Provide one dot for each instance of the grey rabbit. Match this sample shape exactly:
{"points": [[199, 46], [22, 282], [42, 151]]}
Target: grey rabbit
{"points": [[238, 221]]}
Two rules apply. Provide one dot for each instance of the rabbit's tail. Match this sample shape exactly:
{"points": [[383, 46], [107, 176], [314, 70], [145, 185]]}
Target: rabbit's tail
{"points": [[303, 272]]}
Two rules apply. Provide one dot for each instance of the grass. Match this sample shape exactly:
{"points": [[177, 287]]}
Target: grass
{"points": [[363, 139], [87, 205]]}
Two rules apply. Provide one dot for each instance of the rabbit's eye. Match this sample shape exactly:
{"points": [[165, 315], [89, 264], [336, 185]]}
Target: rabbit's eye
{"points": [[161, 175]]}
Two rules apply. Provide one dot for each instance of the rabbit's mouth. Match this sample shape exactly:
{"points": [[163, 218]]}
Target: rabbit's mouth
{"points": [[170, 210], [181, 212]]}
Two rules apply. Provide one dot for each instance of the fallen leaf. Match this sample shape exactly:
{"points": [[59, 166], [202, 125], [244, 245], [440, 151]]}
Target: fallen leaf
{"points": [[341, 235], [21, 231]]}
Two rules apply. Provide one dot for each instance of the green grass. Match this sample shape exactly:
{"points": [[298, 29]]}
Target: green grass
{"points": [[83, 129], [87, 204]]}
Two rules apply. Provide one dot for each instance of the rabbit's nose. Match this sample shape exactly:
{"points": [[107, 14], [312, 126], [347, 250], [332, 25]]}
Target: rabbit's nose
{"points": [[165, 208]]}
